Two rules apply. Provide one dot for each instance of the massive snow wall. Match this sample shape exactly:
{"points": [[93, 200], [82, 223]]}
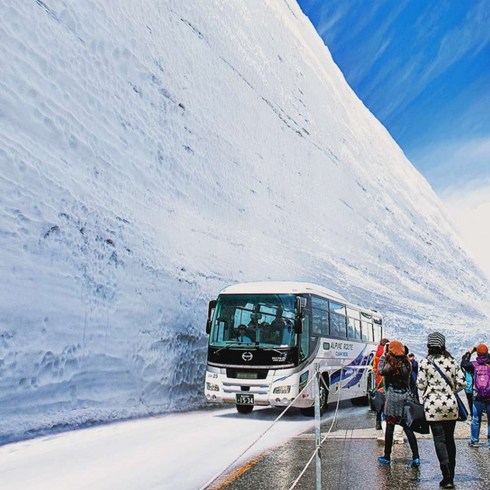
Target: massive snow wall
{"points": [[152, 153]]}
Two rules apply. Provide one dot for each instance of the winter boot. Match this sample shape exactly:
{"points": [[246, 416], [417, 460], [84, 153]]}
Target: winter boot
{"points": [[447, 480]]}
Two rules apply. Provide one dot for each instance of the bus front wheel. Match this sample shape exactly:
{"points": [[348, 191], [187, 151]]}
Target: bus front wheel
{"points": [[310, 411], [244, 408], [361, 401]]}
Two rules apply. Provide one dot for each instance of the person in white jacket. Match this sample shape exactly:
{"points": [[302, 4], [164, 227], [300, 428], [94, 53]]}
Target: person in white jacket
{"points": [[440, 405]]}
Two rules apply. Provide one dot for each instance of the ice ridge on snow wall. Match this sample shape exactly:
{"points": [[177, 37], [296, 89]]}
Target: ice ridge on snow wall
{"points": [[152, 153]]}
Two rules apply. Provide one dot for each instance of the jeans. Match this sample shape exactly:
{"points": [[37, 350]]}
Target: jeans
{"points": [[469, 399], [478, 408], [443, 434]]}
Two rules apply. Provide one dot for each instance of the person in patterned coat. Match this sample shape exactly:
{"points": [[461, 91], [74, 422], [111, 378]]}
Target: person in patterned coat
{"points": [[441, 407]]}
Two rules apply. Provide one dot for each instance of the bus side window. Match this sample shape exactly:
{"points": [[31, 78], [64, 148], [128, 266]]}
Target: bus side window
{"points": [[319, 308], [338, 326], [351, 329], [325, 329], [366, 326], [358, 329], [317, 321], [371, 333]]}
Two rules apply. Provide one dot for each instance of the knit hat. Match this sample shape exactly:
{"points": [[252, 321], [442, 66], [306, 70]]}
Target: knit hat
{"points": [[383, 341], [482, 350], [436, 339], [396, 348]]}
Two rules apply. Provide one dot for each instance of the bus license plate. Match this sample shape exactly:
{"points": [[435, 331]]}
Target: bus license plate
{"points": [[246, 375], [245, 399]]}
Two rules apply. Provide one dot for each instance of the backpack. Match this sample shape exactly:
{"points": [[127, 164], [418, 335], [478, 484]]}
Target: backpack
{"points": [[481, 380]]}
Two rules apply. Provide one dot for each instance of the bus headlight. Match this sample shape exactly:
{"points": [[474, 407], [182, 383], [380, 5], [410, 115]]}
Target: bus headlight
{"points": [[282, 389], [212, 387], [303, 379]]}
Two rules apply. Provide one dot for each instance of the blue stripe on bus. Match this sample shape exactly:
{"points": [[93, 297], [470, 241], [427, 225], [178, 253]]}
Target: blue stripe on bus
{"points": [[348, 371]]}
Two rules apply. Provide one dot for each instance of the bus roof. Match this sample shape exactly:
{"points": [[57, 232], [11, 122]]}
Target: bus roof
{"points": [[280, 287], [288, 287]]}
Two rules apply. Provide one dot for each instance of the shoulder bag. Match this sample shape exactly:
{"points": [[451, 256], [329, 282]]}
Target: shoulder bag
{"points": [[414, 416], [377, 398]]}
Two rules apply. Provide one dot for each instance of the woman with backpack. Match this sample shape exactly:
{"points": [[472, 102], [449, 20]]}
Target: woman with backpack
{"points": [[396, 368], [440, 378], [480, 370]]}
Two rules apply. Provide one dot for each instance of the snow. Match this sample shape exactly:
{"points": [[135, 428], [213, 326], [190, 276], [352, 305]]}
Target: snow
{"points": [[184, 451], [153, 153]]}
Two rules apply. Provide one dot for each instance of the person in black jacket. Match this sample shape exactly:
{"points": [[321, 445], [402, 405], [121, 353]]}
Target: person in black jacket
{"points": [[396, 368]]}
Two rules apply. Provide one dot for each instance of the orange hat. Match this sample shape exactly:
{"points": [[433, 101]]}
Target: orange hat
{"points": [[482, 350], [396, 348]]}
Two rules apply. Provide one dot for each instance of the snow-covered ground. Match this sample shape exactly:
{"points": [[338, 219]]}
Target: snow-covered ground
{"points": [[184, 451], [152, 153]]}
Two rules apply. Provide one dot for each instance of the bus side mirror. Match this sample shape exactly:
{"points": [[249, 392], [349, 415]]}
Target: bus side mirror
{"points": [[211, 308], [300, 313]]}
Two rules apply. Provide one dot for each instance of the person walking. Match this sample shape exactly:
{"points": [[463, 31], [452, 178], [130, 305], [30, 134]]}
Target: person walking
{"points": [[440, 404], [395, 367], [468, 390], [378, 379], [413, 376], [480, 371]]}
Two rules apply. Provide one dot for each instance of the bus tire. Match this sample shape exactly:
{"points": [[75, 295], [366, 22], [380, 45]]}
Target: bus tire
{"points": [[244, 408], [364, 400], [360, 401], [310, 411]]}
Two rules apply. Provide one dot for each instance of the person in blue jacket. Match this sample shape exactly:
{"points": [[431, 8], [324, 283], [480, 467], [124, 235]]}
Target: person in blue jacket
{"points": [[413, 376], [468, 390]]}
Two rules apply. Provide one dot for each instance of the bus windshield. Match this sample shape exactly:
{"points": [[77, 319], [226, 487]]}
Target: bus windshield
{"points": [[266, 320]]}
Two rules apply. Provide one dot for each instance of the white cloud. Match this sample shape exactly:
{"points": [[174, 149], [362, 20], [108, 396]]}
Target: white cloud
{"points": [[468, 37], [449, 161], [470, 209]]}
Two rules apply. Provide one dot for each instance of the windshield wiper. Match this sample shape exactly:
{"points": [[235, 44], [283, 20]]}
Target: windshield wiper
{"points": [[274, 350], [250, 345], [226, 347], [235, 343]]}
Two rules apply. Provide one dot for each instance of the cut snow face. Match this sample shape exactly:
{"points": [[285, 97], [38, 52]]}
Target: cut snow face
{"points": [[152, 154]]}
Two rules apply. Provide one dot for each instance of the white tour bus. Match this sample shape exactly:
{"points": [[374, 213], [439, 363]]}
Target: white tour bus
{"points": [[266, 337]]}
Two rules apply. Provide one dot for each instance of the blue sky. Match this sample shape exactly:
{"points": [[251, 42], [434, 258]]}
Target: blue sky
{"points": [[423, 69]]}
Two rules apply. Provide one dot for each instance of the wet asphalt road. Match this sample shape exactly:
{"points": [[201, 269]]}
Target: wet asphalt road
{"points": [[349, 461]]}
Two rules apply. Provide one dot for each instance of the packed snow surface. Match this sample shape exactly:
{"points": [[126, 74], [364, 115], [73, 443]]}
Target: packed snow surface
{"points": [[174, 451], [152, 153]]}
